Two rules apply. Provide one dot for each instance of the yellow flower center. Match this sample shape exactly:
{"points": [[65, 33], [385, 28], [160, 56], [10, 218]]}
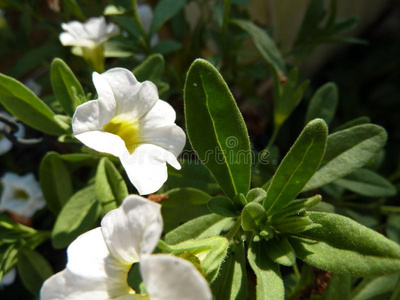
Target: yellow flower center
{"points": [[20, 195], [127, 130]]}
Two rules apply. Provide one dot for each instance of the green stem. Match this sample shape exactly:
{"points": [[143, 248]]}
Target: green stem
{"points": [[296, 271], [139, 22], [234, 229], [272, 139]]}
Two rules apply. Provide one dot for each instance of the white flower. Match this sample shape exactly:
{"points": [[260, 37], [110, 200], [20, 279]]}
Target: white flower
{"points": [[99, 261], [8, 278], [6, 144], [130, 121], [21, 195], [90, 34], [146, 17]]}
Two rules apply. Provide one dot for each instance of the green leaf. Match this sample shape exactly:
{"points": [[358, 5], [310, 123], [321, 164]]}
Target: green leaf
{"points": [[287, 97], [164, 11], [192, 174], [375, 288], [55, 181], [341, 245], [256, 195], [27, 107], [264, 43], [367, 183], [8, 258], [216, 128], [77, 216], [111, 189], [209, 253], [167, 46], [297, 167], [150, 69], [347, 151], [182, 205], [323, 103], [201, 227], [354, 122], [66, 87], [339, 287], [33, 269], [252, 215], [231, 283], [280, 251], [223, 206], [269, 280]]}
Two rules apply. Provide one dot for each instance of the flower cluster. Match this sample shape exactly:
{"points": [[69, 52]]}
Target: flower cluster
{"points": [[100, 260]]}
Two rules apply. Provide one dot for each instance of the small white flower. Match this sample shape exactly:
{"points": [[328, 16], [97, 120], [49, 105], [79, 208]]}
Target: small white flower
{"points": [[99, 261], [21, 195], [130, 121], [5, 144], [146, 17], [90, 34], [8, 278]]}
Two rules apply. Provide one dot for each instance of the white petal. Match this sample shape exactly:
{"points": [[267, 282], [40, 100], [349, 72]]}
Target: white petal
{"points": [[168, 277], [106, 101], [133, 228], [171, 138], [68, 39], [68, 286], [147, 168], [75, 28], [96, 28], [9, 277], [90, 258], [133, 105], [145, 15], [5, 145], [112, 30], [103, 142], [86, 117], [162, 114]]}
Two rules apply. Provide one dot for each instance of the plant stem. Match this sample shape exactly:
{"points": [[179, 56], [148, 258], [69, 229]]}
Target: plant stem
{"points": [[139, 22], [234, 229], [296, 271]]}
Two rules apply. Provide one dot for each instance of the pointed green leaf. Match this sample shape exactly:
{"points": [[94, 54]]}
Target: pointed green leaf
{"points": [[231, 283], [375, 288], [182, 205], [77, 216], [264, 43], [164, 11], [33, 269], [297, 167], [223, 206], [216, 128], [55, 181], [280, 251], [209, 253], [66, 87], [323, 103], [150, 69], [27, 107], [347, 151], [111, 189], [341, 245], [201, 227], [269, 280], [367, 183]]}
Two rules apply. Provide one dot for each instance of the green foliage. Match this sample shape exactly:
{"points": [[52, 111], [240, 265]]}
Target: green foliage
{"points": [[27, 107], [164, 11], [269, 280], [66, 87], [346, 151], [110, 187], [55, 181], [341, 245], [223, 206], [34, 269], [297, 167], [323, 104], [77, 216], [212, 112]]}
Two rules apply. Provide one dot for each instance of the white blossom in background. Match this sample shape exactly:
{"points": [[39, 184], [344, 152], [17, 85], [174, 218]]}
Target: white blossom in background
{"points": [[146, 17], [8, 278], [90, 34], [99, 261], [5, 143], [21, 195], [129, 121]]}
